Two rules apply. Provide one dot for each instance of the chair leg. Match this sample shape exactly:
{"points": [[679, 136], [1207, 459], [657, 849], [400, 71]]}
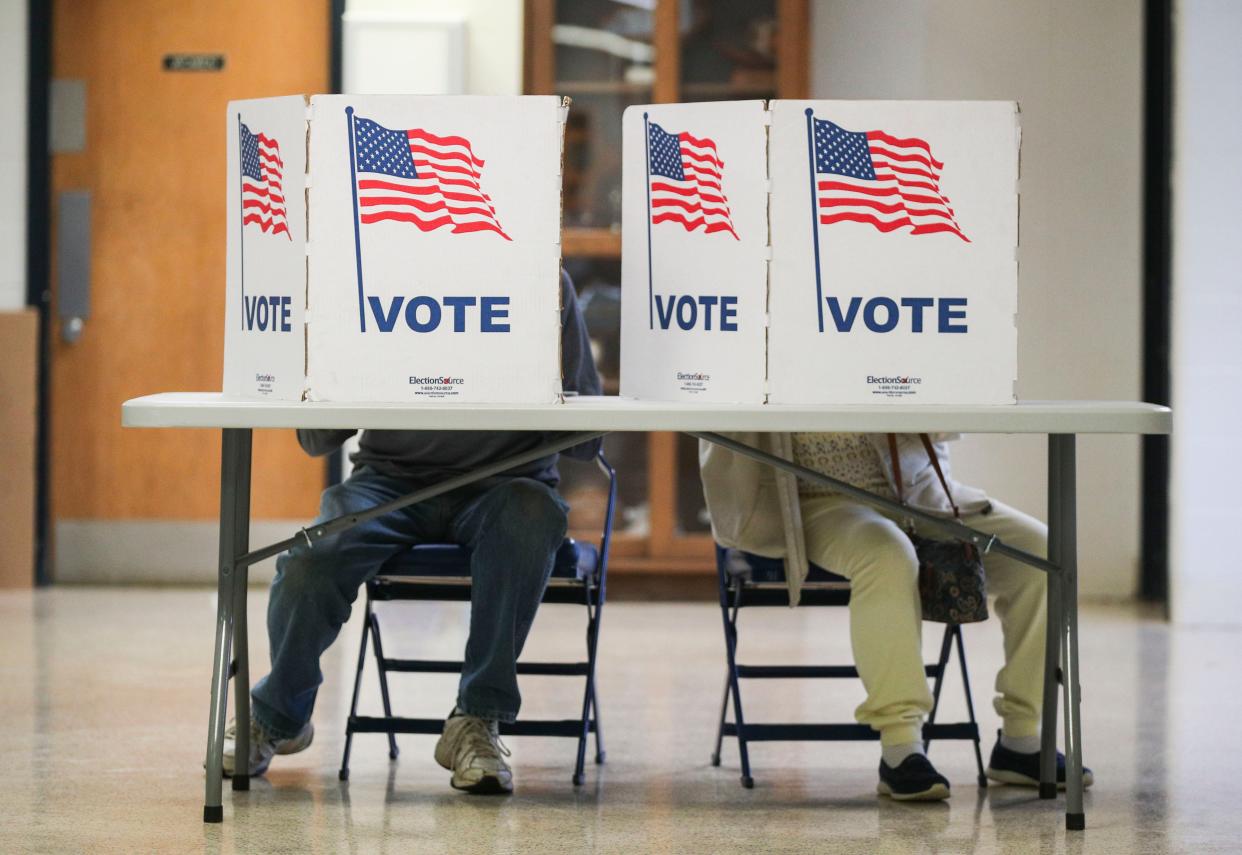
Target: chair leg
{"points": [[946, 647], [585, 723], [730, 631], [588, 696], [970, 705], [343, 774], [724, 712], [383, 679]]}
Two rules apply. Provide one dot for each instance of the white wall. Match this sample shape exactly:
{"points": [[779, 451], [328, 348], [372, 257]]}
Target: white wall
{"points": [[1206, 505], [493, 37], [1076, 70], [13, 81]]}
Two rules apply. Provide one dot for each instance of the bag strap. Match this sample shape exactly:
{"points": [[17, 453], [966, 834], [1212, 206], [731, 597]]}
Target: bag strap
{"points": [[935, 462], [892, 453]]}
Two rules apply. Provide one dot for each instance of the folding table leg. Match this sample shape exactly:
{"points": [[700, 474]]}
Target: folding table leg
{"points": [[1054, 630], [1075, 817], [234, 516], [241, 639]]}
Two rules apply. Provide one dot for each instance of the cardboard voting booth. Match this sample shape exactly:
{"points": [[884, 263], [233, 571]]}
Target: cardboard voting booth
{"points": [[894, 252], [695, 255], [265, 283], [429, 243]]}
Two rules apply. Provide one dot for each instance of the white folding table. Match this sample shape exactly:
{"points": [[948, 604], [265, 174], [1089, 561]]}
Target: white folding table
{"points": [[585, 418]]}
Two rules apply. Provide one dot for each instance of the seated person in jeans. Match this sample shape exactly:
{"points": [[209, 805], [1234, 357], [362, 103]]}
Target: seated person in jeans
{"points": [[763, 511], [514, 524]]}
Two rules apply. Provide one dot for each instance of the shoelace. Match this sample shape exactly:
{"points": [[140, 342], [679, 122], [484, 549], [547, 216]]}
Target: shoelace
{"points": [[256, 732], [477, 738]]}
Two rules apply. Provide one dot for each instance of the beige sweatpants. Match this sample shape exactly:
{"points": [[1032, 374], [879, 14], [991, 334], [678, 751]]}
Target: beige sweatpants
{"points": [[871, 550]]}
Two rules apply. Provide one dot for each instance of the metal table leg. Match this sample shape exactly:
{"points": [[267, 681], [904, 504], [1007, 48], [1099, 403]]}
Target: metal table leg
{"points": [[234, 516], [1075, 818], [1053, 631], [241, 642]]}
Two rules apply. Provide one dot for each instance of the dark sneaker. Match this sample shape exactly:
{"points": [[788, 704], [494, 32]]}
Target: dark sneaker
{"points": [[1022, 770], [914, 780]]}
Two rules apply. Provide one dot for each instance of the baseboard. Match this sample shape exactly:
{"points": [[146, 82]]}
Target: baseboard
{"points": [[154, 552]]}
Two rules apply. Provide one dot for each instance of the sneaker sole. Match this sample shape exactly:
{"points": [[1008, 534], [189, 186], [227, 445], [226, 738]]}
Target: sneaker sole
{"points": [[293, 746], [1017, 779], [934, 793], [489, 785]]}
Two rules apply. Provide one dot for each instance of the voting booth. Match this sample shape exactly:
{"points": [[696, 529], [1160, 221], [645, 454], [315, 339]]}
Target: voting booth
{"points": [[265, 303], [695, 256], [821, 252], [422, 249], [894, 252]]}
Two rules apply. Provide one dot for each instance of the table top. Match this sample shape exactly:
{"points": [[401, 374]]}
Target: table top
{"points": [[215, 410]]}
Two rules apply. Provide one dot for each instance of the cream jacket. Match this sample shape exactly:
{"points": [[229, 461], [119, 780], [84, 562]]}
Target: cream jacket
{"points": [[755, 507]]}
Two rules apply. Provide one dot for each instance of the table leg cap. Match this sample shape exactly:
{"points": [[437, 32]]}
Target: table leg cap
{"points": [[213, 814], [1075, 821]]}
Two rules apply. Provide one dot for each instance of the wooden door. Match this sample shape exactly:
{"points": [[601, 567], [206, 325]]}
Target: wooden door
{"points": [[154, 163]]}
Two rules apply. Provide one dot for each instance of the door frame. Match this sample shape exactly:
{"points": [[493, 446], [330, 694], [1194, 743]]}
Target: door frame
{"points": [[39, 245], [38, 260], [1157, 290]]}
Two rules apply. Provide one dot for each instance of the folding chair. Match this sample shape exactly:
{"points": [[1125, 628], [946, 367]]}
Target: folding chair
{"points": [[441, 572], [752, 580]]}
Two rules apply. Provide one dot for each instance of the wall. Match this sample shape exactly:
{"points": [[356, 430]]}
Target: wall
{"points": [[13, 82], [493, 37], [1076, 71], [1207, 303]]}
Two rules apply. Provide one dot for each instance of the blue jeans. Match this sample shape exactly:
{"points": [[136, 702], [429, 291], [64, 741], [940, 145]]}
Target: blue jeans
{"points": [[512, 525]]}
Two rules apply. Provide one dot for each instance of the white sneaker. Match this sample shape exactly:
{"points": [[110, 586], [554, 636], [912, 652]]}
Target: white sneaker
{"points": [[471, 748], [263, 747]]}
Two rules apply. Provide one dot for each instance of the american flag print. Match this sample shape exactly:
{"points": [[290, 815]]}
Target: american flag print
{"points": [[879, 179], [417, 177], [262, 190], [686, 176]]}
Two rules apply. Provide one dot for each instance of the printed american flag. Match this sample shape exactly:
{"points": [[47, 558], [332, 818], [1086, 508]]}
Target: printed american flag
{"points": [[876, 178], [263, 196], [417, 177], [686, 182]]}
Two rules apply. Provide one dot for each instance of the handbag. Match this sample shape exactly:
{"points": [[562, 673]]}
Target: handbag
{"points": [[952, 584]]}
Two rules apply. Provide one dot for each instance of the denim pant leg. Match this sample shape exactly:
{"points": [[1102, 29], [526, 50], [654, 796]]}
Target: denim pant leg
{"points": [[514, 528], [315, 586]]}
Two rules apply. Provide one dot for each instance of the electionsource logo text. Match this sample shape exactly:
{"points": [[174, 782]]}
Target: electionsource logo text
{"points": [[899, 386], [695, 375], [437, 381]]}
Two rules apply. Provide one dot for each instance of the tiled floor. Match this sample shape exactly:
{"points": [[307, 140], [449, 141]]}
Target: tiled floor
{"points": [[103, 699]]}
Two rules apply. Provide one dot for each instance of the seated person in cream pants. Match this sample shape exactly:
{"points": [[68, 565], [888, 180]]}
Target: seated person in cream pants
{"points": [[763, 511], [513, 522]]}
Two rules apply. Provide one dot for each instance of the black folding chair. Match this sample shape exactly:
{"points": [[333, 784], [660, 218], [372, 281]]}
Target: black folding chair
{"points": [[441, 572], [752, 580]]}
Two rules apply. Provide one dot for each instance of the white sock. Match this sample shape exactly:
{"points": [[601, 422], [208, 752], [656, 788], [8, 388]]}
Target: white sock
{"points": [[1020, 744], [894, 754]]}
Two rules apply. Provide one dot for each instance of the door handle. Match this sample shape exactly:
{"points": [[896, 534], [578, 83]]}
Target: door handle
{"points": [[73, 263]]}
